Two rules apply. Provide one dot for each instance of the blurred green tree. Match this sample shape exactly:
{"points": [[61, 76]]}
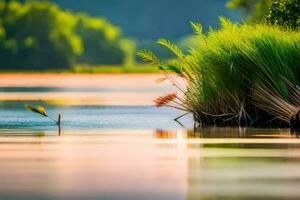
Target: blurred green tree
{"points": [[39, 35], [101, 41], [255, 10], [277, 12], [285, 13]]}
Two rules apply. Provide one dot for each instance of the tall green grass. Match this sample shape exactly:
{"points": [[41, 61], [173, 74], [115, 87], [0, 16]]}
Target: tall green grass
{"points": [[224, 67]]}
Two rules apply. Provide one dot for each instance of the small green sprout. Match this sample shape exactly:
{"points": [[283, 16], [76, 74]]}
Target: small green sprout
{"points": [[42, 111]]}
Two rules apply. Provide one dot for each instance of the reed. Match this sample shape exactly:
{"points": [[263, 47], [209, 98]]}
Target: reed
{"points": [[42, 111], [229, 68]]}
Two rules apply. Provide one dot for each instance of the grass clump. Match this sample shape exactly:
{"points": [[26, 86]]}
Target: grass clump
{"points": [[225, 66]]}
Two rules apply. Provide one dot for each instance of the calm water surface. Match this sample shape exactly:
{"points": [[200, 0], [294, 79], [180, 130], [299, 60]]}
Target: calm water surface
{"points": [[136, 152]]}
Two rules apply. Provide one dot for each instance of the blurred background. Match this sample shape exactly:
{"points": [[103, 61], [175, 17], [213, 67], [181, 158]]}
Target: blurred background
{"points": [[84, 35]]}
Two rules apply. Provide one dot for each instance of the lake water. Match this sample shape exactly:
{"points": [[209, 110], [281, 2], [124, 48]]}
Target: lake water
{"points": [[116, 145]]}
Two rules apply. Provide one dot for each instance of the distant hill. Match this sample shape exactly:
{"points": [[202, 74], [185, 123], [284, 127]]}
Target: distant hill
{"points": [[152, 19]]}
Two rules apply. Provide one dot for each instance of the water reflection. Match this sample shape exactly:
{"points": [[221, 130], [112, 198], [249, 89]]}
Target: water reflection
{"points": [[242, 177], [21, 132], [225, 132], [146, 164], [82, 89], [94, 159], [106, 89]]}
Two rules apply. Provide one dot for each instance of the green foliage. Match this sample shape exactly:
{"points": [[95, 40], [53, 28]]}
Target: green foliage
{"points": [[188, 42], [255, 10], [175, 50], [39, 35], [224, 65], [149, 57], [101, 41], [129, 48], [285, 13], [144, 69], [276, 12], [197, 27]]}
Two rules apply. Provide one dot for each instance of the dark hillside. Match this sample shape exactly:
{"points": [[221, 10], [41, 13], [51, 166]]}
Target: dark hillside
{"points": [[145, 19]]}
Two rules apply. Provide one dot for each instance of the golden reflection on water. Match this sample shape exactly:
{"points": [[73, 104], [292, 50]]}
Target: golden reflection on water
{"points": [[120, 89], [150, 165]]}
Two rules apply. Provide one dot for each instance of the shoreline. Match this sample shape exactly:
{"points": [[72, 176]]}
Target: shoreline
{"points": [[90, 89]]}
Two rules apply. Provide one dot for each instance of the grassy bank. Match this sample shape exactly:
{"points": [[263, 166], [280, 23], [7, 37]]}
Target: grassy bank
{"points": [[114, 69], [225, 68], [89, 69]]}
